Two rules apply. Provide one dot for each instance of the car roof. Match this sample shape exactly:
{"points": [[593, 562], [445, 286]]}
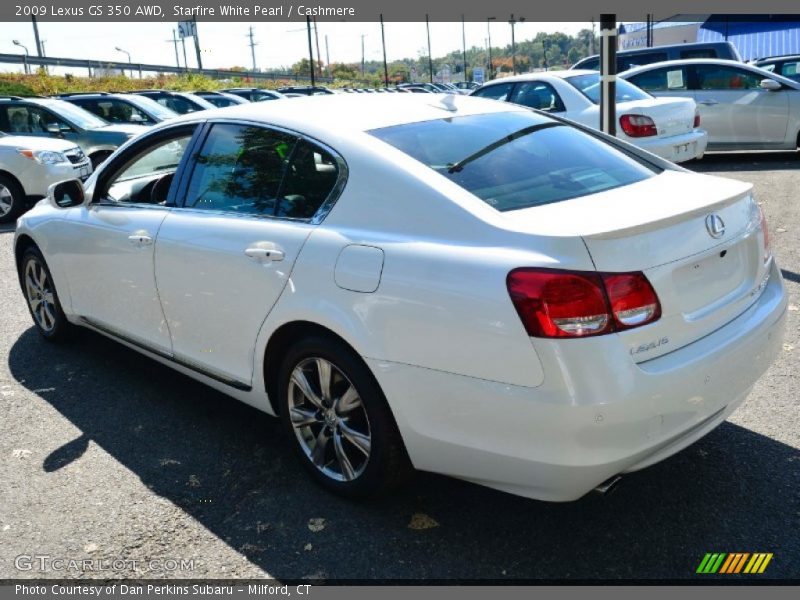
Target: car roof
{"points": [[777, 58], [356, 112], [708, 61], [565, 74]]}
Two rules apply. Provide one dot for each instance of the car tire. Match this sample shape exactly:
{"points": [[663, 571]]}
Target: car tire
{"points": [[41, 297], [12, 199], [98, 157], [345, 436]]}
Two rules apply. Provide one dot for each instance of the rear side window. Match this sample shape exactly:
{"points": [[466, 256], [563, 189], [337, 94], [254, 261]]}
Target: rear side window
{"points": [[239, 169], [537, 94], [791, 69], [514, 160], [637, 60], [661, 80], [498, 91], [310, 179], [699, 53]]}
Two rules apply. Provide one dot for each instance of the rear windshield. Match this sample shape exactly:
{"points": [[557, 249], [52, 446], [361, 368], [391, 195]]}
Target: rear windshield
{"points": [[514, 160], [589, 86]]}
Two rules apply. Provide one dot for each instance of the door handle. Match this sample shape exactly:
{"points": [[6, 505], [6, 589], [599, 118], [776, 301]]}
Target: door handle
{"points": [[264, 254], [140, 239], [708, 102]]}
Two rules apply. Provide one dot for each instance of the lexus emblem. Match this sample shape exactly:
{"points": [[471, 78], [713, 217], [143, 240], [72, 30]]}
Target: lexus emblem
{"points": [[715, 226]]}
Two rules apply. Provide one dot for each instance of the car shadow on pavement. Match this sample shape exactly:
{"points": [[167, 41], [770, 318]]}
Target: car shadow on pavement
{"points": [[745, 161], [228, 467]]}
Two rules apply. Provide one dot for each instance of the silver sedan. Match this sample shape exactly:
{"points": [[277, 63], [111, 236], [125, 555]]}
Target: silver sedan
{"points": [[741, 106]]}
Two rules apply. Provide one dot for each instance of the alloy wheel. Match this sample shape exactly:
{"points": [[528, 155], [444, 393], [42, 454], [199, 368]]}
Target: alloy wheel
{"points": [[329, 419], [6, 200], [41, 298]]}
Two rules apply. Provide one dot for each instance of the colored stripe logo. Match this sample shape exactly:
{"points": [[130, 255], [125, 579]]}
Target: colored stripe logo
{"points": [[734, 562]]}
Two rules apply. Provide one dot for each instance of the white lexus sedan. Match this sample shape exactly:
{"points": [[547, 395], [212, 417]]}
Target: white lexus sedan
{"points": [[667, 127], [432, 281]]}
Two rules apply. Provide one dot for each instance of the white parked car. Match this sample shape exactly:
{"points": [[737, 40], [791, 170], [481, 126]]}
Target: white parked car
{"points": [[741, 106], [465, 286], [28, 166], [669, 128]]}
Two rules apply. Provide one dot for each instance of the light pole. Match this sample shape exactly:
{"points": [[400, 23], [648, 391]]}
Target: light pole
{"points": [[512, 21], [385, 64], [118, 49], [430, 58], [362, 55], [464, 45], [489, 33], [25, 65]]}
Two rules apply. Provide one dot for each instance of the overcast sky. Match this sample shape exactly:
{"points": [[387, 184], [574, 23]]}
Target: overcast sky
{"points": [[279, 43]]}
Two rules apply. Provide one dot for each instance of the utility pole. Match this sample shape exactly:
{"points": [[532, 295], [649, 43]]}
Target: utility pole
{"points": [[252, 47], [512, 21], [430, 58], [39, 50], [362, 56], [197, 45], [464, 46], [310, 51], [316, 37], [385, 65], [489, 33], [174, 42], [327, 56]]}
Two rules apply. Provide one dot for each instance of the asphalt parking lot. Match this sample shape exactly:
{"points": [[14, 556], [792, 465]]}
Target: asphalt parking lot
{"points": [[108, 455]]}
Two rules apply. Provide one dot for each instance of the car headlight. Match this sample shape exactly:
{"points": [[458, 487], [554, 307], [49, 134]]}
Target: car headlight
{"points": [[44, 157]]}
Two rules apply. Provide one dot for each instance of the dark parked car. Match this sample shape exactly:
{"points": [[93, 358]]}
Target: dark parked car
{"points": [[180, 102], [255, 94], [221, 99], [121, 108], [306, 90], [627, 59]]}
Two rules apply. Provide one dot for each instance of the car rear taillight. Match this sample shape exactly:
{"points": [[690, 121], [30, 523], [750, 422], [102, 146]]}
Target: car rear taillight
{"points": [[638, 125], [555, 303], [696, 118]]}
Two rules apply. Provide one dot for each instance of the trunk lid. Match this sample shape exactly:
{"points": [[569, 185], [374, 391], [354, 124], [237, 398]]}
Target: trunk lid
{"points": [[658, 226], [672, 116]]}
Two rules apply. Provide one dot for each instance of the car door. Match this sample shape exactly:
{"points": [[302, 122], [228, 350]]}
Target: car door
{"points": [[224, 258], [108, 246], [736, 111]]}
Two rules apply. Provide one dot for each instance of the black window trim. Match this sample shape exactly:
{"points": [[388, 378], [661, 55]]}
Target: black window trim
{"points": [[322, 211], [130, 153]]}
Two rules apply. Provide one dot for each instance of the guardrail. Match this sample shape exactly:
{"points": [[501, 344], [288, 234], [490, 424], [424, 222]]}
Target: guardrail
{"points": [[93, 65]]}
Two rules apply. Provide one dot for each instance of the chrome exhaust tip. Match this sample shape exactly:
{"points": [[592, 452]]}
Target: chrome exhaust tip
{"points": [[608, 485]]}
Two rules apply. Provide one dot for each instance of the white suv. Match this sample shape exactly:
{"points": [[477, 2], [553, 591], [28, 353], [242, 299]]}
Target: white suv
{"points": [[29, 165]]}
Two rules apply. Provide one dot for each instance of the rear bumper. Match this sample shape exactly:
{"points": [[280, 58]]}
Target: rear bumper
{"points": [[676, 148], [597, 413]]}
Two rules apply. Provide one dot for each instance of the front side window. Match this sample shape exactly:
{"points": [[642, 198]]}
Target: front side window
{"points": [[537, 94], [719, 77], [791, 69], [147, 176], [589, 86], [115, 111], [24, 118], [514, 160], [82, 118], [661, 80], [240, 169], [498, 91]]}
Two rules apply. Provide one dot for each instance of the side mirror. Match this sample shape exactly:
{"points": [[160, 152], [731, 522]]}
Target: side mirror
{"points": [[54, 128], [66, 194], [771, 85]]}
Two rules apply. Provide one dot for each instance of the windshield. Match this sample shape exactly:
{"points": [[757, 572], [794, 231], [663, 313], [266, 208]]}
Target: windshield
{"points": [[151, 106], [78, 116], [514, 160], [589, 86]]}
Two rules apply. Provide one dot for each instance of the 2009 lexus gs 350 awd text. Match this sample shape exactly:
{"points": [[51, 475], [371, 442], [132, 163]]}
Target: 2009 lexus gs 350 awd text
{"points": [[455, 284]]}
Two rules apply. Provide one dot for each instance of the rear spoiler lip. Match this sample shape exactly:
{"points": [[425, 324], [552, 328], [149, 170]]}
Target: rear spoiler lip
{"points": [[672, 219]]}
